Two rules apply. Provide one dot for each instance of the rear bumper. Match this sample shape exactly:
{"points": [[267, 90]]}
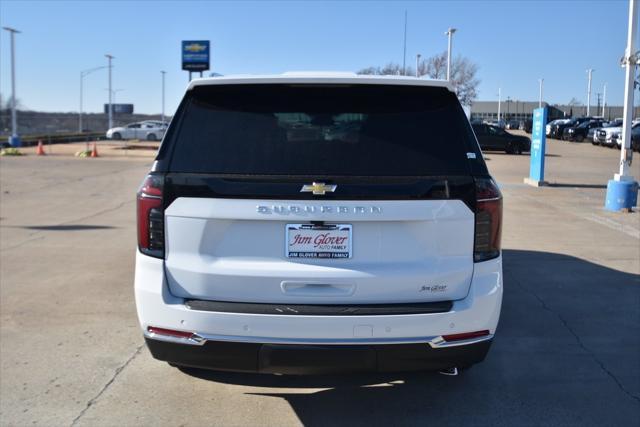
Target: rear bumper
{"points": [[378, 334], [299, 359]]}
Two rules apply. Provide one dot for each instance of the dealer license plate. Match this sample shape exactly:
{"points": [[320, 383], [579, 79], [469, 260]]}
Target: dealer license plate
{"points": [[318, 241]]}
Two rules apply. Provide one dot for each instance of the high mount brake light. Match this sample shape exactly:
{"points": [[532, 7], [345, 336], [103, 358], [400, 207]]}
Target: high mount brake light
{"points": [[151, 216], [488, 226]]}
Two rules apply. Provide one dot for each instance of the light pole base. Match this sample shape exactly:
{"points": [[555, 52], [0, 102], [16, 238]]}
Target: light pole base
{"points": [[14, 141], [535, 183], [622, 195]]}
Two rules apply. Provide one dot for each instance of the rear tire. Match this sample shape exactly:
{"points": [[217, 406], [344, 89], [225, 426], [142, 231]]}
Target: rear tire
{"points": [[151, 137], [514, 148], [579, 138]]}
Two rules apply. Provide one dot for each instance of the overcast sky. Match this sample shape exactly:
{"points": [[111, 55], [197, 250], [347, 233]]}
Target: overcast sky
{"points": [[513, 42]]}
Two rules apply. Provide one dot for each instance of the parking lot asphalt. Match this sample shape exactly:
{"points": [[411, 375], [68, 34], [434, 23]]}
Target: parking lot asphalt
{"points": [[567, 349]]}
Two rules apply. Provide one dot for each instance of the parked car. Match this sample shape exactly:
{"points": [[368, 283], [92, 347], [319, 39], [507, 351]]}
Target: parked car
{"points": [[526, 125], [512, 124], [616, 135], [147, 130], [497, 123], [605, 136], [593, 133], [248, 261], [158, 123], [579, 132], [494, 138], [557, 129], [635, 139], [553, 123]]}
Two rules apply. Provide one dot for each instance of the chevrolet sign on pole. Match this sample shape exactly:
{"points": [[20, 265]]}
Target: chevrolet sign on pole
{"points": [[195, 55]]}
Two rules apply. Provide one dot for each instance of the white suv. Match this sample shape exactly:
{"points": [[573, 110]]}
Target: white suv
{"points": [[317, 223]]}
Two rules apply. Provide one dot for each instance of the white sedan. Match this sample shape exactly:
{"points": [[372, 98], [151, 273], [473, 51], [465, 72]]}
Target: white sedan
{"points": [[150, 131]]}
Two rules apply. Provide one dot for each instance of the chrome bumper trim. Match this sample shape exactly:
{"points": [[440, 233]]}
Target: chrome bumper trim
{"points": [[201, 339]]}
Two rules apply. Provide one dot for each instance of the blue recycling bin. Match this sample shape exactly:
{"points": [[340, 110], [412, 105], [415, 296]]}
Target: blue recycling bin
{"points": [[621, 195]]}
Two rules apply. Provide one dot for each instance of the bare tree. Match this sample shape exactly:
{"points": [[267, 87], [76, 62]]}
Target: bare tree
{"points": [[574, 102], [390, 69], [435, 66], [463, 74], [5, 102]]}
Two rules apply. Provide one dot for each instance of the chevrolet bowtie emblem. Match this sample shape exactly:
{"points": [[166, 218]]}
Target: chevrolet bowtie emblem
{"points": [[318, 188]]}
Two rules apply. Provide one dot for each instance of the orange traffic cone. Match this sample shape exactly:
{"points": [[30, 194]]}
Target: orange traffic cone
{"points": [[40, 149], [94, 152]]}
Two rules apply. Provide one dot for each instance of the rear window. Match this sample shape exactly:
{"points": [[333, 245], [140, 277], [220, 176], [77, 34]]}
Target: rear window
{"points": [[339, 130]]}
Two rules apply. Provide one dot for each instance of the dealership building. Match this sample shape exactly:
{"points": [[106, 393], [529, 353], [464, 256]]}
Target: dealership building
{"points": [[523, 110]]}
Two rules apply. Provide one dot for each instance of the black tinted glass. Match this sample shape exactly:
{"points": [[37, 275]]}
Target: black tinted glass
{"points": [[359, 130]]}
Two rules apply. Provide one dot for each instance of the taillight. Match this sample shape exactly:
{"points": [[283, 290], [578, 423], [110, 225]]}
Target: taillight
{"points": [[488, 220], [151, 216]]}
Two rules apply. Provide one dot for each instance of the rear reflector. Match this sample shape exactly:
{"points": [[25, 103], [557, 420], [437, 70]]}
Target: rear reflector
{"points": [[465, 336], [169, 332]]}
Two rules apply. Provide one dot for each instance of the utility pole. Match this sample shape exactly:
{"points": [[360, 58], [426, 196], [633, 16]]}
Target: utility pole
{"points": [[14, 140], [449, 33], [604, 99], [418, 64], [110, 107], [541, 83], [404, 54], [589, 71], [163, 73]]}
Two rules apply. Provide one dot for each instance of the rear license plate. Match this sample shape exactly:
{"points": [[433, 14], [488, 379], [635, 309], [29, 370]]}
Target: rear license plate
{"points": [[318, 241]]}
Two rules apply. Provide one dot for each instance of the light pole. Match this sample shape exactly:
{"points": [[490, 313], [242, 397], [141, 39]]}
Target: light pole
{"points": [[622, 190], [604, 99], [404, 53], [14, 140], [630, 61], [163, 73], [589, 71], [499, 100], [541, 83], [109, 109], [449, 33], [418, 64], [83, 74]]}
